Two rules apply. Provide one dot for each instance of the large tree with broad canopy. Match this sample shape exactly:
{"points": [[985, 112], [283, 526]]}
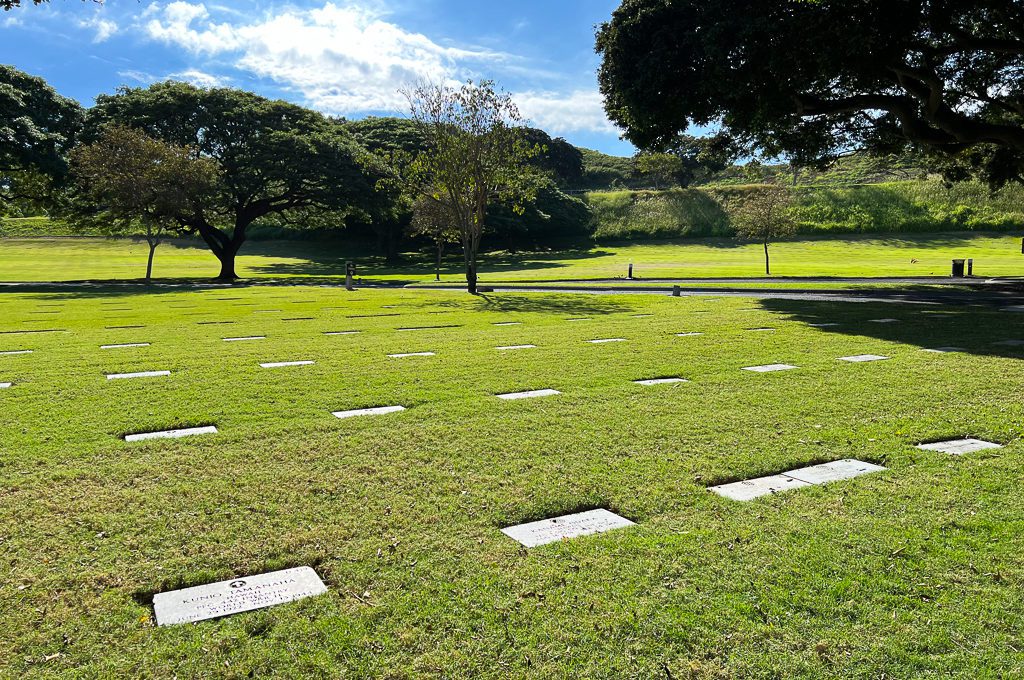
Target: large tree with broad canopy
{"points": [[275, 158], [811, 79]]}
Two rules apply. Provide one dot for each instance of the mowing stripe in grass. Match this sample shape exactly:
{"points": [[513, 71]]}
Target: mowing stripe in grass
{"points": [[375, 411], [171, 434]]}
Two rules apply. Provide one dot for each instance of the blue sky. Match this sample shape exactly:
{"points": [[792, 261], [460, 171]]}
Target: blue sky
{"points": [[343, 57]]}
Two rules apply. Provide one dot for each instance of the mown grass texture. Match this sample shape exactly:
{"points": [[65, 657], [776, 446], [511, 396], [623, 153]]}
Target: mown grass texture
{"points": [[912, 572]]}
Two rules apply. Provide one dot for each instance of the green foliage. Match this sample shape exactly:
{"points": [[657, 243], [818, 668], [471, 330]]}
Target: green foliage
{"points": [[913, 206], [811, 80], [660, 169], [276, 158], [37, 127], [602, 171]]}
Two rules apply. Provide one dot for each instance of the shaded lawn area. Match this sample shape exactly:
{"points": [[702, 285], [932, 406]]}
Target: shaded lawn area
{"points": [[41, 259], [911, 572]]}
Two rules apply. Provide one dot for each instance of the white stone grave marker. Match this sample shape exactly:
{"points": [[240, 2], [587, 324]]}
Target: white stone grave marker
{"points": [[601, 341], [376, 411], [945, 350], [140, 374], [834, 471], [860, 358], [237, 595], [528, 394], [283, 364], [660, 381], [749, 489], [958, 447], [883, 320], [770, 368], [533, 534], [13, 352], [171, 434], [688, 335], [412, 354], [246, 338], [128, 344], [510, 347]]}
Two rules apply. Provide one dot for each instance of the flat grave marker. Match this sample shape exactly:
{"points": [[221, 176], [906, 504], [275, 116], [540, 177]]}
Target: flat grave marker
{"points": [[171, 434], [601, 341], [749, 489], [814, 475], [660, 381], [586, 318], [127, 344], [246, 338], [1012, 308], [883, 320], [234, 596], [833, 472], [40, 330], [299, 318], [769, 368], [944, 350], [759, 330], [542, 532], [691, 334], [1010, 343], [266, 311], [342, 332], [284, 364], [13, 352], [4, 385], [118, 328], [958, 447], [509, 323], [427, 328], [511, 347], [529, 394], [375, 411], [140, 374], [369, 316], [411, 354], [823, 325], [213, 323], [861, 358]]}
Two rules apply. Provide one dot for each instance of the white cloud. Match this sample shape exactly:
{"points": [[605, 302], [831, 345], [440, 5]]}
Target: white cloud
{"points": [[347, 58], [199, 78], [341, 58], [138, 76], [558, 113], [104, 27]]}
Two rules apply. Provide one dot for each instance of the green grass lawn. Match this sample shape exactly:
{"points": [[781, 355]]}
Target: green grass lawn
{"points": [[46, 259], [913, 572]]}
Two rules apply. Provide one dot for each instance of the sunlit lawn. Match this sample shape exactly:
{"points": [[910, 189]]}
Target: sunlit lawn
{"points": [[900, 255], [912, 572]]}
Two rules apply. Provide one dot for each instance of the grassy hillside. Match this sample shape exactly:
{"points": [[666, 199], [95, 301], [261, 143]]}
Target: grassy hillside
{"points": [[893, 207]]}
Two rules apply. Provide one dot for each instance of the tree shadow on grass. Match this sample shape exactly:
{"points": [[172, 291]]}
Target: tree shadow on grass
{"points": [[979, 330], [329, 264], [572, 305]]}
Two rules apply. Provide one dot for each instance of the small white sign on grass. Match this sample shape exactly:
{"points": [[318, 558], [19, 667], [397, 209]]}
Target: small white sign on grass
{"points": [[533, 534], [958, 447], [237, 595]]}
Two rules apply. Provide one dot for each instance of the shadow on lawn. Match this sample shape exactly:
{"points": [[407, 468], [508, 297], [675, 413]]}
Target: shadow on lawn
{"points": [[573, 305], [973, 329], [370, 266]]}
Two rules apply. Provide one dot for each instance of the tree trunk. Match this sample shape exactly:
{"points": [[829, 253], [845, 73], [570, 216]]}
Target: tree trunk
{"points": [[767, 263], [149, 262], [471, 276]]}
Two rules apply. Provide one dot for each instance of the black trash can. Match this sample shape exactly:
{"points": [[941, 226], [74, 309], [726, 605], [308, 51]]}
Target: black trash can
{"points": [[958, 268]]}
